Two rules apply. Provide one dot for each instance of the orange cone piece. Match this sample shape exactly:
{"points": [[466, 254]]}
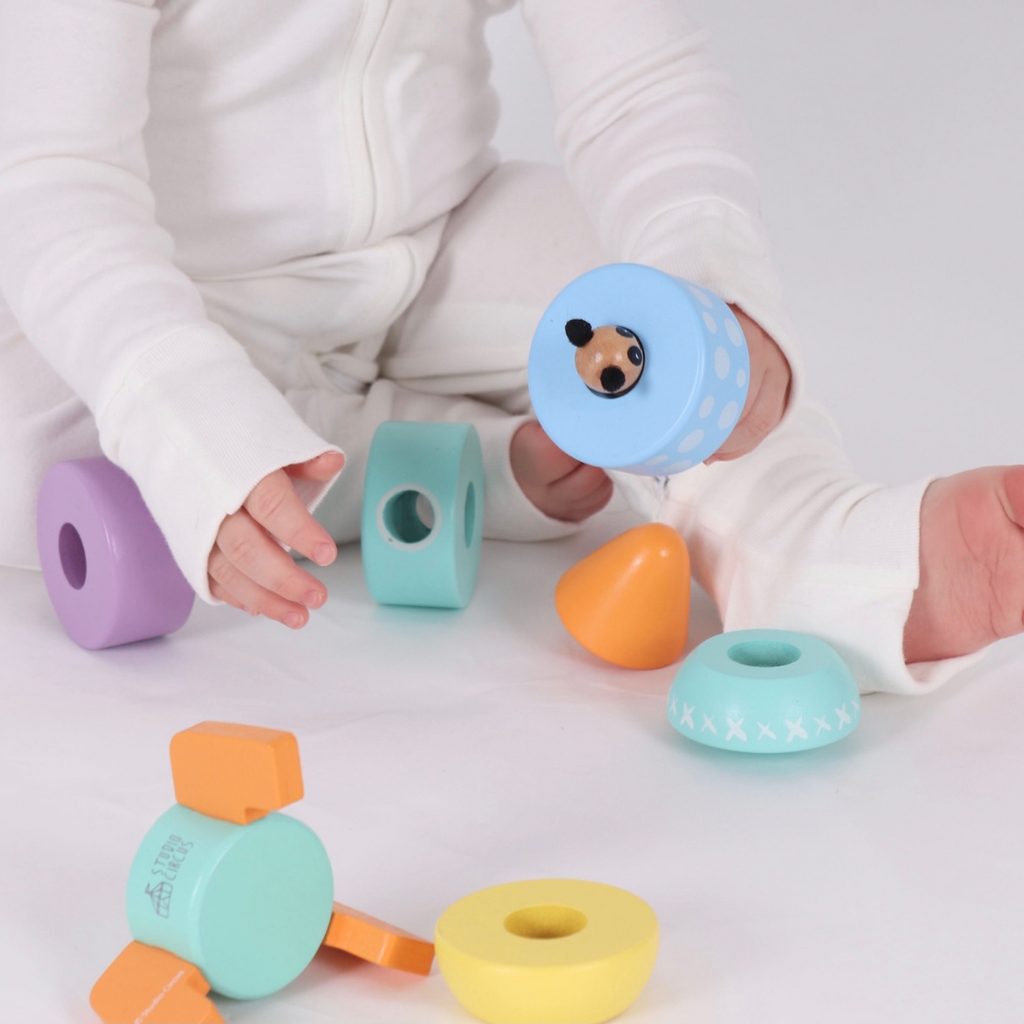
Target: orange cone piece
{"points": [[150, 985], [233, 772], [629, 601], [369, 939]]}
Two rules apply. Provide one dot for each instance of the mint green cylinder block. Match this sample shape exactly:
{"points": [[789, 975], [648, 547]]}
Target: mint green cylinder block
{"points": [[764, 691], [249, 905], [423, 514]]}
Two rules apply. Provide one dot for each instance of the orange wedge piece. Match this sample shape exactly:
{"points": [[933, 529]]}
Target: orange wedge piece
{"points": [[369, 939], [151, 986], [234, 772], [628, 602]]}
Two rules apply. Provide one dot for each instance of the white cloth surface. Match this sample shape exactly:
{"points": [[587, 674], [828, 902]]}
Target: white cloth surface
{"points": [[874, 880]]}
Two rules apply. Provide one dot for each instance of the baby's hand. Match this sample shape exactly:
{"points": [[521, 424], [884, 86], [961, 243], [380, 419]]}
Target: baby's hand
{"points": [[248, 568], [556, 483], [766, 398]]}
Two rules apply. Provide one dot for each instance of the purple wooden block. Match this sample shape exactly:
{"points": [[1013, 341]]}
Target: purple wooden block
{"points": [[108, 569]]}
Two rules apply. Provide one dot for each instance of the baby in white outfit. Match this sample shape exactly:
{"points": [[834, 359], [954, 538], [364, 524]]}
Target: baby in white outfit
{"points": [[233, 240]]}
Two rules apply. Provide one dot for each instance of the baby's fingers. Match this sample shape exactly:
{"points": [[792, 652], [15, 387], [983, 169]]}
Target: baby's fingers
{"points": [[244, 548], [234, 585], [581, 493], [760, 416], [274, 505]]}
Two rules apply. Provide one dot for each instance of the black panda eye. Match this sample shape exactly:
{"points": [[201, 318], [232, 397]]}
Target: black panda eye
{"points": [[625, 332], [635, 355]]}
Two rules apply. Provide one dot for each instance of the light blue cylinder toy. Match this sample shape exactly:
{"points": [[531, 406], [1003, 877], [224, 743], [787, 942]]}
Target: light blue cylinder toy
{"points": [[423, 514], [690, 393], [764, 691], [249, 905]]}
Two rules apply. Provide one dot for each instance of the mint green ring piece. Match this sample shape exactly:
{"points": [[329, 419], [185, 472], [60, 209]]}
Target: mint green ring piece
{"points": [[249, 905], [764, 691], [423, 514]]}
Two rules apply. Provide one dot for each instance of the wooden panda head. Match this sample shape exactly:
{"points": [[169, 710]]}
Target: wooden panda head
{"points": [[609, 360]]}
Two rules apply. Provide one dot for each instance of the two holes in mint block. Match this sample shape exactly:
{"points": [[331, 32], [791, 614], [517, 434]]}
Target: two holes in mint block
{"points": [[72, 556], [411, 516]]}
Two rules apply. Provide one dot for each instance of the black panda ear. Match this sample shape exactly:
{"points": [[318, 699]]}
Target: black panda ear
{"points": [[579, 332]]}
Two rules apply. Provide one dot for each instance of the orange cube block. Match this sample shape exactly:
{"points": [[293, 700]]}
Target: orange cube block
{"points": [[369, 939], [153, 986], [237, 773], [628, 602]]}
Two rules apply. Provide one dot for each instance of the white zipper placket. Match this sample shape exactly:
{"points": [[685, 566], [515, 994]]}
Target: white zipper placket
{"points": [[358, 154]]}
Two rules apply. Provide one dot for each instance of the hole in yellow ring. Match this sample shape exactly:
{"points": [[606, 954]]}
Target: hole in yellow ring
{"points": [[546, 922]]}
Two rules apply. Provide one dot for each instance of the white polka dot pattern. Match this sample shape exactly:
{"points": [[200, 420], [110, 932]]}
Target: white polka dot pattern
{"points": [[728, 416], [741, 378], [721, 363], [701, 296], [709, 323], [691, 441], [706, 406], [732, 328]]}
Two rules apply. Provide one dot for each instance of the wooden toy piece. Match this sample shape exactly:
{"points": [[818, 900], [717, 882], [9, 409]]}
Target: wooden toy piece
{"points": [[378, 942], [108, 570], [237, 773], [670, 353], [609, 360], [552, 950], [150, 985], [628, 602], [247, 904], [423, 514], [764, 691]]}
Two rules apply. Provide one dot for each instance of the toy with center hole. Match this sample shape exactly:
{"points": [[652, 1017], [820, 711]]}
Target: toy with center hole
{"points": [[226, 894], [636, 370], [108, 570], [423, 514], [628, 602], [764, 691], [554, 950]]}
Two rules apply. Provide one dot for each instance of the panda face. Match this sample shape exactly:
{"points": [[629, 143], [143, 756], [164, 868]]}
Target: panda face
{"points": [[609, 360]]}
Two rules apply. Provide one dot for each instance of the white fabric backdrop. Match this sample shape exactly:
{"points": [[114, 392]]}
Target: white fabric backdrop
{"points": [[875, 880]]}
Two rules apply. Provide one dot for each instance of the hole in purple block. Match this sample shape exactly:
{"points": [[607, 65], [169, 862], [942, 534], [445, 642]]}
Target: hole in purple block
{"points": [[72, 556]]}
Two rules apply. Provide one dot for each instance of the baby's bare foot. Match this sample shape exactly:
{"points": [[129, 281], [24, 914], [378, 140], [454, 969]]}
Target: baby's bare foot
{"points": [[972, 564]]}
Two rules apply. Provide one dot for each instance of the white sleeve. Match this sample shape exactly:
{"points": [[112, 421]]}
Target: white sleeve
{"points": [[90, 277], [657, 150]]}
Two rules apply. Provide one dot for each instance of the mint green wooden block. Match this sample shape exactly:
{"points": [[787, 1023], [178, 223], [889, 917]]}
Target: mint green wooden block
{"points": [[764, 691], [249, 905], [423, 514]]}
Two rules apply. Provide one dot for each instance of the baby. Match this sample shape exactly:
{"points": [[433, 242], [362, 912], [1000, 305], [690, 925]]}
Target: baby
{"points": [[232, 244]]}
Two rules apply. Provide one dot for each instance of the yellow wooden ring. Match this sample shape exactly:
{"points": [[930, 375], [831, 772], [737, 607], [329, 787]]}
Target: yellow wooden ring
{"points": [[547, 951]]}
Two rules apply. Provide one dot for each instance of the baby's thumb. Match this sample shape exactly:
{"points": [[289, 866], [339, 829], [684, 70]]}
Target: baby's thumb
{"points": [[320, 469]]}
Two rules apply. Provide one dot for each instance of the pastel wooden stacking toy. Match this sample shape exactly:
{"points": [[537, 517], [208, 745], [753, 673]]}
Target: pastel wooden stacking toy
{"points": [[547, 951], [227, 894], [764, 691], [636, 370], [423, 514], [108, 570], [628, 602]]}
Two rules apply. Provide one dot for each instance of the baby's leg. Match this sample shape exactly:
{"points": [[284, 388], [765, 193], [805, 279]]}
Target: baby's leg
{"points": [[42, 422], [460, 350]]}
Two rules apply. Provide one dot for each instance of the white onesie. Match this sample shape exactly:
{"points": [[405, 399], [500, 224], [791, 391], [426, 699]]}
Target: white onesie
{"points": [[228, 231]]}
